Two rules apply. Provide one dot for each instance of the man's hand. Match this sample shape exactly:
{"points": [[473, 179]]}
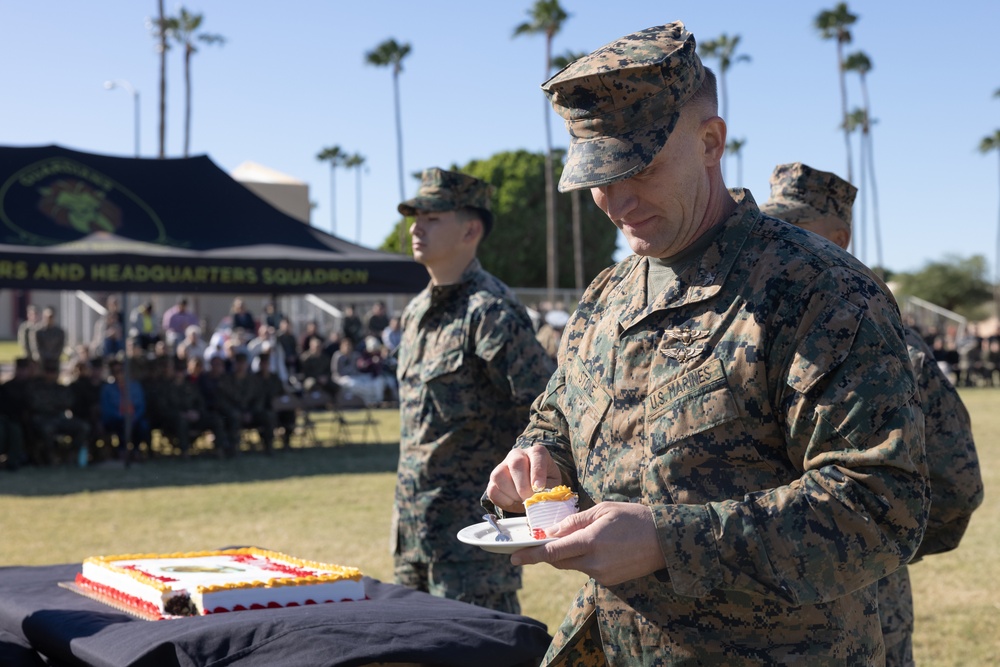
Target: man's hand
{"points": [[522, 472], [611, 542]]}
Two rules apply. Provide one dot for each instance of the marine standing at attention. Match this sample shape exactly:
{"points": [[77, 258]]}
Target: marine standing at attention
{"points": [[733, 403], [469, 368], [821, 202]]}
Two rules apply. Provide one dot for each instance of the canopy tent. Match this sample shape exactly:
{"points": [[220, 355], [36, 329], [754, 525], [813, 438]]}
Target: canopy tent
{"points": [[72, 220]]}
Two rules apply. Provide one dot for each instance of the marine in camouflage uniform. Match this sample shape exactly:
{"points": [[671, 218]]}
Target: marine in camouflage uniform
{"points": [[745, 438], [469, 368], [242, 404], [821, 202], [50, 406]]}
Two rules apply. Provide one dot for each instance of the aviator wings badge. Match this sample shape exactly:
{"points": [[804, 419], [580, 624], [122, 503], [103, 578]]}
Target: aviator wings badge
{"points": [[684, 336]]}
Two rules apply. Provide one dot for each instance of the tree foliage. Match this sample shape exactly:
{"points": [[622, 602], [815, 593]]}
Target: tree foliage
{"points": [[515, 249], [956, 283]]}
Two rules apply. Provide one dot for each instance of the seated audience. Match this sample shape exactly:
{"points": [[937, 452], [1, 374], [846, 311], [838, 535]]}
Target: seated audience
{"points": [[358, 373]]}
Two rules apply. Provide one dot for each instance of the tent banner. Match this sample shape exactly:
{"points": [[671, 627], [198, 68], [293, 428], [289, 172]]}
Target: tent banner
{"points": [[182, 274]]}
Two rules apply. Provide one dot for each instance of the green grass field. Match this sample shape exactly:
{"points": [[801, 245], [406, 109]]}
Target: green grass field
{"points": [[333, 504]]}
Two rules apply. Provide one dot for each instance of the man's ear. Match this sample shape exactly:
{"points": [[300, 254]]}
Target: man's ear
{"points": [[713, 134], [474, 232], [841, 237]]}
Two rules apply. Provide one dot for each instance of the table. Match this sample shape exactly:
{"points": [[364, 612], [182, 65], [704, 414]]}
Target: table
{"points": [[396, 625]]}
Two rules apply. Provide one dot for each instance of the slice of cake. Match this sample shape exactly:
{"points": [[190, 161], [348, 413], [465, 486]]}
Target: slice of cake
{"points": [[548, 507], [210, 582]]}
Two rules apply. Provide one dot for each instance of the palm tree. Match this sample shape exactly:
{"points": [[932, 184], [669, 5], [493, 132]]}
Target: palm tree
{"points": [[158, 27], [856, 121], [559, 62], [989, 143], [723, 48], [735, 146], [391, 53], [833, 24], [546, 18], [183, 29], [337, 158], [860, 62], [356, 162]]}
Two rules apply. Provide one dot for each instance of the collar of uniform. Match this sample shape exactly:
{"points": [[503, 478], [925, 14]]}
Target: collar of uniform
{"points": [[439, 293], [701, 279], [434, 294]]}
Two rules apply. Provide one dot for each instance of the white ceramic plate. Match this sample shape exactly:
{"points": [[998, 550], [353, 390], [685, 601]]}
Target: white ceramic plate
{"points": [[483, 536]]}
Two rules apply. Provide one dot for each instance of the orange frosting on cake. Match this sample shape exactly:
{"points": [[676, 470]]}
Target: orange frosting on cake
{"points": [[556, 493]]}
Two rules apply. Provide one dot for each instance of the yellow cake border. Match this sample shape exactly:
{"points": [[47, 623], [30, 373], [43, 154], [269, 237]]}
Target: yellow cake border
{"points": [[337, 572]]}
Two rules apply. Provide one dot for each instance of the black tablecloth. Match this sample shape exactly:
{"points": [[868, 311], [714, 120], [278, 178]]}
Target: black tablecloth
{"points": [[395, 625]]}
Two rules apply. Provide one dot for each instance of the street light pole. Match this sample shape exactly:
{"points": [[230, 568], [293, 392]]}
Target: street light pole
{"points": [[122, 83]]}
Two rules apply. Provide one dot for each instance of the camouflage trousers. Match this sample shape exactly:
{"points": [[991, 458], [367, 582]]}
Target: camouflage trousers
{"points": [[895, 611], [480, 583]]}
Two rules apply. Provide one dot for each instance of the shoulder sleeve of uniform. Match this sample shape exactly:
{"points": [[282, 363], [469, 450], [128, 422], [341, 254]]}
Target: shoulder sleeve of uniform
{"points": [[952, 462], [505, 340]]}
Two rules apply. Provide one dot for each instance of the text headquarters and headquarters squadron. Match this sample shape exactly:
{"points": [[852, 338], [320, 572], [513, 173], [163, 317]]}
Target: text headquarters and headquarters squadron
{"points": [[469, 368], [821, 202], [734, 402]]}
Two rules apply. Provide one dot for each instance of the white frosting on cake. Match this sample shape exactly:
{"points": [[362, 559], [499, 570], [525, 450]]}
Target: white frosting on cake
{"points": [[223, 580], [548, 513]]}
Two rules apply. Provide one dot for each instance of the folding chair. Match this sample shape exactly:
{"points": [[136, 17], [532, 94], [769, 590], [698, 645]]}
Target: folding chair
{"points": [[353, 412]]}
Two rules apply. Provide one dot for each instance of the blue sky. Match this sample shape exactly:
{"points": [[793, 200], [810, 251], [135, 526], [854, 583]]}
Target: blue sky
{"points": [[291, 80]]}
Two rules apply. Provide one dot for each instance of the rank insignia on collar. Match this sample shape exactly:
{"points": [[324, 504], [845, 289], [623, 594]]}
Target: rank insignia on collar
{"points": [[682, 354], [684, 336]]}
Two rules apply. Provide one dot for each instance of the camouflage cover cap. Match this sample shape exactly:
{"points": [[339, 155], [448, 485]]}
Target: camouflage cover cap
{"points": [[442, 190], [622, 101], [800, 194]]}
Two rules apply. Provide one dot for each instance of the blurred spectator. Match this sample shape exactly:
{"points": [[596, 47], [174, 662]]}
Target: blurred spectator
{"points": [[24, 340], [392, 335], [14, 405], [312, 331], [208, 384], [112, 316], [358, 373], [265, 344], [314, 367], [48, 338], [272, 316], [119, 401], [187, 416], [176, 320], [11, 441], [88, 378], [50, 404], [111, 343], [992, 360], [240, 317], [332, 344], [352, 326], [286, 339], [969, 348], [242, 398], [377, 320], [550, 332], [142, 326], [277, 400], [193, 344], [155, 388]]}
